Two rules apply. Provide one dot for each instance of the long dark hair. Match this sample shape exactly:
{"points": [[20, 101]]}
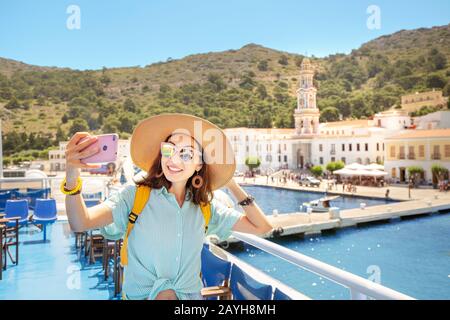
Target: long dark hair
{"points": [[155, 179]]}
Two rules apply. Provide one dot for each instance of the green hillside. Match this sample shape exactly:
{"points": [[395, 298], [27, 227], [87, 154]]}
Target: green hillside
{"points": [[253, 86]]}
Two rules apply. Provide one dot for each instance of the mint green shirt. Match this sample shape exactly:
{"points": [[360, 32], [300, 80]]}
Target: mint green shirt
{"points": [[164, 247]]}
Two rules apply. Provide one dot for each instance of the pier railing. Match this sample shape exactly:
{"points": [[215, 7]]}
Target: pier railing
{"points": [[360, 288], [98, 183]]}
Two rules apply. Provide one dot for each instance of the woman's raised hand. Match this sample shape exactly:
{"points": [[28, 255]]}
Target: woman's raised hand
{"points": [[77, 150]]}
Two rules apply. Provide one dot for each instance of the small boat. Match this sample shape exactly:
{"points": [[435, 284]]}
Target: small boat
{"points": [[320, 205]]}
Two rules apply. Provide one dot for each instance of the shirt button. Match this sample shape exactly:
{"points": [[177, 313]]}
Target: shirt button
{"points": [[179, 235], [176, 258]]}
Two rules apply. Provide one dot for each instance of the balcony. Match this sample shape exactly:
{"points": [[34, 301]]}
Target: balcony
{"points": [[436, 156], [401, 156], [411, 156]]}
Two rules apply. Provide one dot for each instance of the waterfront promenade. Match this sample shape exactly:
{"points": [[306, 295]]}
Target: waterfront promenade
{"points": [[422, 201]]}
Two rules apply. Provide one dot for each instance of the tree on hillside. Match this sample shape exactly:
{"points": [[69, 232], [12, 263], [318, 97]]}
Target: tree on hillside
{"points": [[436, 60], [78, 124], [129, 105], [263, 65], [435, 81], [283, 60], [329, 114], [216, 82], [13, 103]]}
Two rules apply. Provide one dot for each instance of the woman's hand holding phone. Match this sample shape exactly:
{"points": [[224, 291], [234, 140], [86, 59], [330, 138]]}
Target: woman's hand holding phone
{"points": [[77, 150]]}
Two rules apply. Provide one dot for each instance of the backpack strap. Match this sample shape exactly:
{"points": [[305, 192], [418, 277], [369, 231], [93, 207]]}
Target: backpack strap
{"points": [[140, 200], [206, 211]]}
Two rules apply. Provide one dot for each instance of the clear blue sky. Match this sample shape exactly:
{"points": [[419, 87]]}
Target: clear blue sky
{"points": [[128, 33]]}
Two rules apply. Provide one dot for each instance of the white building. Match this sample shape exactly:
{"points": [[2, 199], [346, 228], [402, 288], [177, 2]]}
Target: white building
{"points": [[435, 120], [422, 148], [315, 143]]}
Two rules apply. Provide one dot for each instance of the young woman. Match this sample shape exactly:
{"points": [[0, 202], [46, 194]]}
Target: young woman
{"points": [[183, 169]]}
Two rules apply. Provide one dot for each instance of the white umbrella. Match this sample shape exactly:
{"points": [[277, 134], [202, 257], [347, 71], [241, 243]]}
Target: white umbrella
{"points": [[345, 171], [371, 173], [355, 166], [375, 166], [361, 173]]}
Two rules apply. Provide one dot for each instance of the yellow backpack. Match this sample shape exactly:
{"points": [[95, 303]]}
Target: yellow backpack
{"points": [[140, 200]]}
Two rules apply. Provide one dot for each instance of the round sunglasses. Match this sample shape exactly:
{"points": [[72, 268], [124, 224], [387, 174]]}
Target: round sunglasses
{"points": [[186, 153]]}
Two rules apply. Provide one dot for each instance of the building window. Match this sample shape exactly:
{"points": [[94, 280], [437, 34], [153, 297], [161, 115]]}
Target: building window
{"points": [[285, 158], [333, 149], [246, 148], [378, 146], [357, 147], [366, 147], [422, 151], [343, 147], [320, 147], [392, 152], [394, 173], [447, 150], [383, 146], [321, 160], [411, 154], [343, 159], [436, 153], [349, 147], [402, 152], [285, 147], [333, 159]]}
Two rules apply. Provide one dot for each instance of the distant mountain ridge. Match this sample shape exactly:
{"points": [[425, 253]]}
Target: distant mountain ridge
{"points": [[253, 86]]}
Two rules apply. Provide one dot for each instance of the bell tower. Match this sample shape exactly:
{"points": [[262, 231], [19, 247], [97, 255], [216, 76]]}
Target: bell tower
{"points": [[307, 114]]}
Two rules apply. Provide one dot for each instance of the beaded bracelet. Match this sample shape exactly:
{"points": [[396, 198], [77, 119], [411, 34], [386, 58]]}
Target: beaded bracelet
{"points": [[74, 191]]}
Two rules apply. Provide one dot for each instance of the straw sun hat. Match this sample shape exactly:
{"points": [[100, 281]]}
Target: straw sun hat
{"points": [[217, 151]]}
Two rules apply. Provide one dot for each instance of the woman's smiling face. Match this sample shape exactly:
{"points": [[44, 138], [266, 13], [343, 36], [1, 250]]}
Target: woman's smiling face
{"points": [[179, 167]]}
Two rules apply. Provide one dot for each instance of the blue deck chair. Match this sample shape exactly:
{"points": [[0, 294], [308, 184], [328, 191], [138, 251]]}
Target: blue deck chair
{"points": [[215, 275], [17, 208], [91, 202], [45, 213], [97, 195], [214, 269], [46, 191], [244, 287], [280, 295], [31, 196], [4, 196]]}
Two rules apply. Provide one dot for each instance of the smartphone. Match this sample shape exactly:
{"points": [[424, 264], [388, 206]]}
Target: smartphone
{"points": [[108, 144]]}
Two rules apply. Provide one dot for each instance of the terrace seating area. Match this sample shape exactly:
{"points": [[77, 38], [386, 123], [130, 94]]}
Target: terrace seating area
{"points": [[31, 209], [18, 209], [87, 266]]}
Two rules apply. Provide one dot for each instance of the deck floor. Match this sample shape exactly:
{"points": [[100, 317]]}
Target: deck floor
{"points": [[53, 270]]}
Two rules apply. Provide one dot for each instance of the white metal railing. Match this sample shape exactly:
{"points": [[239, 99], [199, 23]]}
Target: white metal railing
{"points": [[53, 183], [360, 288]]}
